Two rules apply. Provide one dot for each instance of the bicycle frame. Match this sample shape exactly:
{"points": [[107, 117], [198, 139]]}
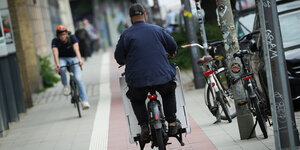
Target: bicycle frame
{"points": [[74, 88], [214, 82]]}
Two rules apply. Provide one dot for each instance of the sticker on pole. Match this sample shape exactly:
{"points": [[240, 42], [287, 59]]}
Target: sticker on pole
{"points": [[235, 68]]}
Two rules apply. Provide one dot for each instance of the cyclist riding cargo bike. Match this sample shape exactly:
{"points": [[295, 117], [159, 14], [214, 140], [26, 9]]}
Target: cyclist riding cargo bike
{"points": [[144, 49]]}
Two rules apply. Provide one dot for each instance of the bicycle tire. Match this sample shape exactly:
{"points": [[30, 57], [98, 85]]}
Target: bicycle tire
{"points": [[260, 117], [160, 139], [258, 113], [224, 107], [78, 108], [210, 104], [209, 101], [75, 95]]}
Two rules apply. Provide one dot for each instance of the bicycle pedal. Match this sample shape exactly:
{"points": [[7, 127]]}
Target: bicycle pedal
{"points": [[146, 140], [242, 102], [179, 137]]}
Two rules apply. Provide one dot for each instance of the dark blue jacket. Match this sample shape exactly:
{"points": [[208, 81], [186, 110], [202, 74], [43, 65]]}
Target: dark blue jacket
{"points": [[143, 49]]}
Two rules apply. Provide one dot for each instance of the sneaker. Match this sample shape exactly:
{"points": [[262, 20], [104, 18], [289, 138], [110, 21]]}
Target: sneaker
{"points": [[66, 90], [85, 105], [174, 127], [145, 132]]}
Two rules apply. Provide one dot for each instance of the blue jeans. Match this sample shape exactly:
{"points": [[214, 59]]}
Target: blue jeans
{"points": [[63, 61]]}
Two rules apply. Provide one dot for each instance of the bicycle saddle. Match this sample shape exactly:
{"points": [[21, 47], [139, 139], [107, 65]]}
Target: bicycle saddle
{"points": [[204, 59]]}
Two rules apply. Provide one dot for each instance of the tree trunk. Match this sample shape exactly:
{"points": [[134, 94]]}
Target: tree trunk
{"points": [[209, 7]]}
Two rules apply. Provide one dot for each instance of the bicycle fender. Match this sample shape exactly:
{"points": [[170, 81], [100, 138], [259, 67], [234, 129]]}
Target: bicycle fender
{"points": [[156, 117]]}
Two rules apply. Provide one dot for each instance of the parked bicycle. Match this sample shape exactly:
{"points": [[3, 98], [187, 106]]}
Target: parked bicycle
{"points": [[75, 99], [255, 102], [216, 94]]}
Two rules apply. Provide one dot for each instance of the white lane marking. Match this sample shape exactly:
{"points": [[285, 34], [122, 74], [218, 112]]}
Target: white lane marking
{"points": [[99, 139]]}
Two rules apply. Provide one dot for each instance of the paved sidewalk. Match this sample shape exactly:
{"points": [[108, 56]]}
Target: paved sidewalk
{"points": [[52, 124]]}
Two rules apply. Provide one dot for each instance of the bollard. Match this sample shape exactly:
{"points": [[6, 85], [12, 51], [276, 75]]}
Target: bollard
{"points": [[17, 83], [8, 92], [1, 118], [3, 109]]}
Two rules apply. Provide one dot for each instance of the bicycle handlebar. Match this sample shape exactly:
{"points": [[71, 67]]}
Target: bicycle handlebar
{"points": [[71, 65], [191, 45], [213, 44], [248, 36], [216, 43]]}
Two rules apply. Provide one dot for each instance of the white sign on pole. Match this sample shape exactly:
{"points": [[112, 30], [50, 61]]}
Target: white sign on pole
{"points": [[3, 49]]}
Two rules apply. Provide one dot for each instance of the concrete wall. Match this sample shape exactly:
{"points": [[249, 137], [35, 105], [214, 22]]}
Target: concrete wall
{"points": [[36, 19], [66, 14], [54, 14], [48, 30]]}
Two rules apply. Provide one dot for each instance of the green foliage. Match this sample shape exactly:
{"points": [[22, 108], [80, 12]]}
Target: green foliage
{"points": [[213, 32], [48, 74], [183, 58]]}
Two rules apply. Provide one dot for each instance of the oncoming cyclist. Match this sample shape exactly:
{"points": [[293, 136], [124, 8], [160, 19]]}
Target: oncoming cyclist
{"points": [[144, 49], [66, 51]]}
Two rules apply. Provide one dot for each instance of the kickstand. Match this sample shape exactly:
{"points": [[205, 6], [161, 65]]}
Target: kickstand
{"points": [[252, 129], [142, 144], [217, 121], [179, 137], [218, 117]]}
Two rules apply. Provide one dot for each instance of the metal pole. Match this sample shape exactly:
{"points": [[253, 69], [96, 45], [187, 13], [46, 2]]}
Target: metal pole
{"points": [[201, 14], [240, 5], [268, 74], [285, 131], [244, 116], [199, 79]]}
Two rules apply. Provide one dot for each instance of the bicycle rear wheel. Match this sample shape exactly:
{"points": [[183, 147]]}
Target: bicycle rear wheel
{"points": [[224, 107], [260, 118], [211, 103], [75, 95], [160, 139]]}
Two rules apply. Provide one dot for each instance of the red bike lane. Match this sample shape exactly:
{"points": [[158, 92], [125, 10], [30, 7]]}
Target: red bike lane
{"points": [[118, 138]]}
